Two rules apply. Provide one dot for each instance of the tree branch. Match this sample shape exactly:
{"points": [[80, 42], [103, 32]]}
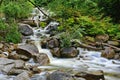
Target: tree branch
{"points": [[40, 10]]}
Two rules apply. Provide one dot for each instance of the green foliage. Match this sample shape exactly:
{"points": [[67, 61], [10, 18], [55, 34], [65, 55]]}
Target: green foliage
{"points": [[9, 32], [17, 9]]}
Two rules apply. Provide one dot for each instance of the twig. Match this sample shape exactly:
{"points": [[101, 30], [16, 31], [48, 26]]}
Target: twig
{"points": [[40, 10]]}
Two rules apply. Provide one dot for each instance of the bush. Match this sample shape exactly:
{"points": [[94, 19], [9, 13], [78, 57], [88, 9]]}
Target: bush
{"points": [[17, 9], [9, 32]]}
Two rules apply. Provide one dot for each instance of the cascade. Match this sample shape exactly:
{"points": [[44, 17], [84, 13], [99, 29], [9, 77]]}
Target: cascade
{"points": [[92, 61]]}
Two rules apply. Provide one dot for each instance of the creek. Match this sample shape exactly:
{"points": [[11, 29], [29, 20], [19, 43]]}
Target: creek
{"points": [[91, 60]]}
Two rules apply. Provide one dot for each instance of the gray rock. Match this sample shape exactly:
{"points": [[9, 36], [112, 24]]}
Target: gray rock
{"points": [[58, 75], [69, 52], [25, 29], [42, 59], [4, 61], [22, 76], [27, 50], [19, 64], [8, 67]]}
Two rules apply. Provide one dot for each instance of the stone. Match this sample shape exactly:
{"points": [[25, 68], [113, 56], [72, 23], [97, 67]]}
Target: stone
{"points": [[102, 38], [25, 29], [108, 53], [69, 52], [1, 45], [53, 43], [114, 43], [55, 52], [42, 59], [8, 67], [27, 50], [5, 61], [22, 76], [59, 75], [19, 63], [91, 75], [16, 71]]}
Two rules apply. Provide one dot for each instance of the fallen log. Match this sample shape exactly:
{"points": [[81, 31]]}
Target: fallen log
{"points": [[82, 45]]}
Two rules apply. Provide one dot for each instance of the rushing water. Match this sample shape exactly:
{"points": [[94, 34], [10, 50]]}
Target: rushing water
{"points": [[89, 60]]}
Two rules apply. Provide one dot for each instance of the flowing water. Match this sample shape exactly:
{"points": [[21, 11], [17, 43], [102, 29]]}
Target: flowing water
{"points": [[90, 60]]}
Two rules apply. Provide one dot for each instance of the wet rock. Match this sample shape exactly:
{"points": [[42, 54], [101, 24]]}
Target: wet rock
{"points": [[102, 38], [91, 75], [25, 29], [22, 76], [69, 52], [27, 51], [53, 43], [55, 52], [34, 69], [114, 43], [42, 59], [41, 76], [108, 53], [58, 75], [44, 44]]}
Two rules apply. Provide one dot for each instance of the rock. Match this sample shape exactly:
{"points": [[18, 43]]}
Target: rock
{"points": [[114, 43], [58, 75], [117, 56], [102, 38], [69, 52], [53, 43], [42, 59], [8, 67], [27, 50], [22, 76], [5, 61], [16, 71], [108, 53], [89, 39], [35, 69], [52, 26], [41, 76], [19, 63], [55, 52], [25, 29], [91, 75], [1, 45]]}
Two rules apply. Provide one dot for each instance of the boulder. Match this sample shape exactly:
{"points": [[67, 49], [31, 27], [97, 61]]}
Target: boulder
{"points": [[1, 45], [108, 53], [42, 59], [19, 63], [55, 52], [91, 75], [8, 67], [102, 38], [114, 43], [25, 29], [53, 43], [23, 76], [69, 52], [58, 75], [27, 50]]}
